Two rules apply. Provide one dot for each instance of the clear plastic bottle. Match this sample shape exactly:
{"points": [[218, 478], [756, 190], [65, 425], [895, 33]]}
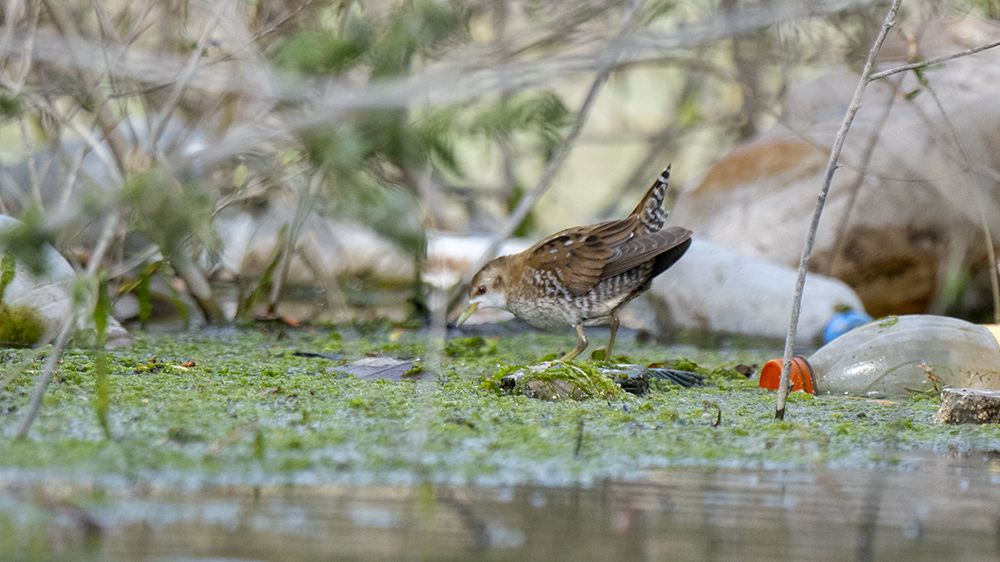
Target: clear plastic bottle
{"points": [[891, 356]]}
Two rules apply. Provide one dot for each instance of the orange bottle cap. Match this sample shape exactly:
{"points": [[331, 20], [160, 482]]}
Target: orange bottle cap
{"points": [[800, 375]]}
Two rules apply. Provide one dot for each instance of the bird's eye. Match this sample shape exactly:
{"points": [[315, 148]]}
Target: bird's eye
{"points": [[481, 290]]}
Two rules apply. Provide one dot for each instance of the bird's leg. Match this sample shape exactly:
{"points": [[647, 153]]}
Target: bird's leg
{"points": [[611, 340], [580, 345]]}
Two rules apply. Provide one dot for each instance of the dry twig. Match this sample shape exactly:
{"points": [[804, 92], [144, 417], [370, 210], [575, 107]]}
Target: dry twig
{"points": [[981, 204], [530, 198], [464, 79], [831, 167], [932, 62], [110, 225], [855, 189]]}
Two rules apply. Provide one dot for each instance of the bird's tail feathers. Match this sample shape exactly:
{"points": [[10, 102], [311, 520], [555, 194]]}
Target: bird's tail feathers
{"points": [[650, 210]]}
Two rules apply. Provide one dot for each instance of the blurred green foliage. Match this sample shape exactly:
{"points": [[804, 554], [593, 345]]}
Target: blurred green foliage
{"points": [[10, 105], [378, 47], [168, 212], [100, 400], [398, 164], [370, 152], [321, 52], [541, 114], [382, 46], [26, 241], [371, 158]]}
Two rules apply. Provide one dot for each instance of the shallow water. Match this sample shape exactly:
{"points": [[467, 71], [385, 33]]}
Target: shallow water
{"points": [[927, 508]]}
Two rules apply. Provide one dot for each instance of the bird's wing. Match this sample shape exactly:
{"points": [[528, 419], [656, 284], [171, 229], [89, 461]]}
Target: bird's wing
{"points": [[578, 256], [637, 250]]}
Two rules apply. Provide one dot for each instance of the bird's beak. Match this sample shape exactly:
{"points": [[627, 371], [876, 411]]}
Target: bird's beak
{"points": [[468, 312]]}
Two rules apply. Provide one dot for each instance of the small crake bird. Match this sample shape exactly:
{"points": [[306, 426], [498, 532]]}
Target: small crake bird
{"points": [[581, 276]]}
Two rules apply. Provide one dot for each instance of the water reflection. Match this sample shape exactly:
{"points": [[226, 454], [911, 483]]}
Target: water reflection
{"points": [[931, 508]]}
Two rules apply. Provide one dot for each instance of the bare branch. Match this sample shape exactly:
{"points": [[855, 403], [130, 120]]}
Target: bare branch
{"points": [[88, 138], [931, 62], [107, 29], [467, 76], [982, 204], [831, 167], [307, 196], [110, 224], [658, 144], [46, 377], [197, 284], [183, 80], [67, 29], [855, 189], [530, 198], [71, 177], [34, 180]]}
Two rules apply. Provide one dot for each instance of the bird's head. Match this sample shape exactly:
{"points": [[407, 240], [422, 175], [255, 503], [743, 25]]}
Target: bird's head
{"points": [[488, 287]]}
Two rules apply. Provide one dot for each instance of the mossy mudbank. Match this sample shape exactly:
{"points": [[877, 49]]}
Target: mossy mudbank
{"points": [[238, 405]]}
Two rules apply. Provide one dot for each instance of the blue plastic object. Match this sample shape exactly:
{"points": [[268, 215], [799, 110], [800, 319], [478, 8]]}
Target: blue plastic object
{"points": [[844, 322]]}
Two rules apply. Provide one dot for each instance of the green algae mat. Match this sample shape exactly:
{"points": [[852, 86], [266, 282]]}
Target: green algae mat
{"points": [[276, 404]]}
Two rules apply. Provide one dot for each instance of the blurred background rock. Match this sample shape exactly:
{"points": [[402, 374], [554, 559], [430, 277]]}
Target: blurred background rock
{"points": [[288, 157]]}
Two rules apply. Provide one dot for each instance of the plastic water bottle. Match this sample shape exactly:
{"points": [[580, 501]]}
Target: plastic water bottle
{"points": [[897, 355]]}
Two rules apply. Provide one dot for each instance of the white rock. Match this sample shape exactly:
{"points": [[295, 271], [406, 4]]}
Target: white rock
{"points": [[721, 290], [49, 294], [451, 255], [899, 219], [326, 248]]}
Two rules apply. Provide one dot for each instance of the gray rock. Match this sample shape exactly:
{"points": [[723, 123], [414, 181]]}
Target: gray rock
{"points": [[390, 368], [968, 405]]}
